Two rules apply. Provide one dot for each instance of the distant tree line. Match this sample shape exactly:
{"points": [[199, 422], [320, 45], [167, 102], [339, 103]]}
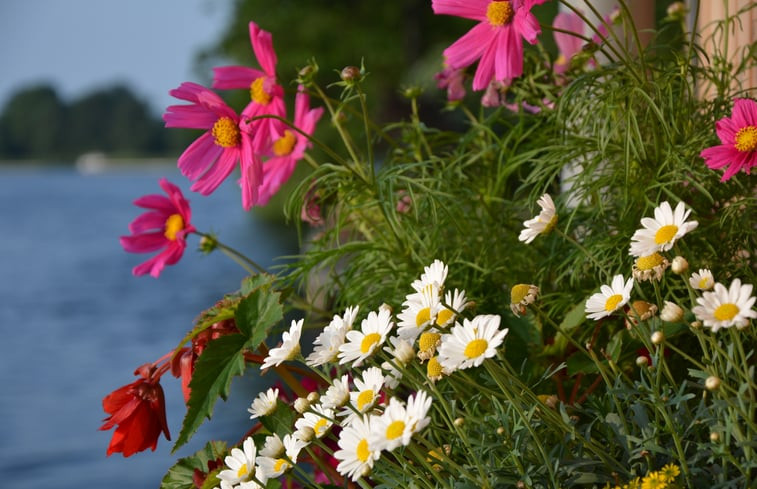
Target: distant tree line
{"points": [[37, 124]]}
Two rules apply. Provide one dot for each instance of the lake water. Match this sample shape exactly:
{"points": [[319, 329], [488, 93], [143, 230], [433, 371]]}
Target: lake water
{"points": [[76, 323]]}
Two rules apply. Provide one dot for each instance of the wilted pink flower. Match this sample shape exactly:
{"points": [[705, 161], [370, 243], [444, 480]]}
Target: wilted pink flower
{"points": [[738, 135], [165, 226], [496, 40], [567, 45], [289, 148], [452, 80], [213, 156], [311, 208]]}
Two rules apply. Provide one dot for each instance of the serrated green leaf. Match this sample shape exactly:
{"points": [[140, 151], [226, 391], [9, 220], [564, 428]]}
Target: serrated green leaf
{"points": [[221, 360], [254, 282], [257, 312], [180, 476]]}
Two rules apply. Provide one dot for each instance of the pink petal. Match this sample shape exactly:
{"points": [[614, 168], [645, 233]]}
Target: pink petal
{"points": [[726, 129], [235, 77], [198, 156], [486, 66], [189, 117], [250, 179], [143, 243], [262, 44], [149, 221], [568, 45], [526, 24], [469, 9], [463, 52], [718, 156], [217, 172], [744, 112], [155, 201], [509, 60]]}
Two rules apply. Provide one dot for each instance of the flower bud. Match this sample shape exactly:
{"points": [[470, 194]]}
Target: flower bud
{"points": [[642, 361], [679, 265], [714, 436], [313, 397], [501, 431], [208, 243], [658, 337], [350, 74], [301, 405], [712, 383], [696, 324], [458, 422], [671, 312]]}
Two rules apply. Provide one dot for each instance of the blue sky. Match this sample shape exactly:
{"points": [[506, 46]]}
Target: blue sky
{"points": [[80, 45]]}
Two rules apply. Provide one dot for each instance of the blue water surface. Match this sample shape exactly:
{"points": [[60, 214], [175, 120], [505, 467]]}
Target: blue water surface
{"points": [[76, 323]]}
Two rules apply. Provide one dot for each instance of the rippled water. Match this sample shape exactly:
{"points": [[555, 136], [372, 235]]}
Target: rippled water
{"points": [[76, 323]]}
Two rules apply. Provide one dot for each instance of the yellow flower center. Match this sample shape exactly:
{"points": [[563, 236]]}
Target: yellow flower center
{"points": [[704, 283], [499, 12], [174, 224], [258, 93], [285, 144], [434, 368], [242, 472], [444, 316], [423, 316], [519, 292], [746, 139], [364, 399], [280, 464], [320, 427], [428, 341], [362, 451], [368, 342], [476, 348], [612, 302], [226, 132], [665, 234], [550, 225], [649, 262], [726, 312], [395, 429]]}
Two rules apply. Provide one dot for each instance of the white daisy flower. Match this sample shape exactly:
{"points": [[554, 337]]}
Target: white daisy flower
{"points": [[241, 464], [401, 350], [337, 394], [521, 296], [661, 233], [264, 404], [541, 224], [703, 280], [723, 308], [326, 345], [367, 389], [433, 275], [610, 298], [399, 423], [372, 334], [419, 311], [319, 420], [355, 454], [273, 446], [469, 344], [457, 301], [671, 312], [275, 467], [290, 347]]}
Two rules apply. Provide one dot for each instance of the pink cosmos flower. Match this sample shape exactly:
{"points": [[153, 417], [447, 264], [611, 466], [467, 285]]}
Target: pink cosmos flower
{"points": [[266, 96], [738, 135], [213, 156], [164, 226], [496, 40], [567, 45], [289, 148]]}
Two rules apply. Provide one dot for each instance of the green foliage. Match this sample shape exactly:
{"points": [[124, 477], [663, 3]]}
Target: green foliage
{"points": [[181, 475]]}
